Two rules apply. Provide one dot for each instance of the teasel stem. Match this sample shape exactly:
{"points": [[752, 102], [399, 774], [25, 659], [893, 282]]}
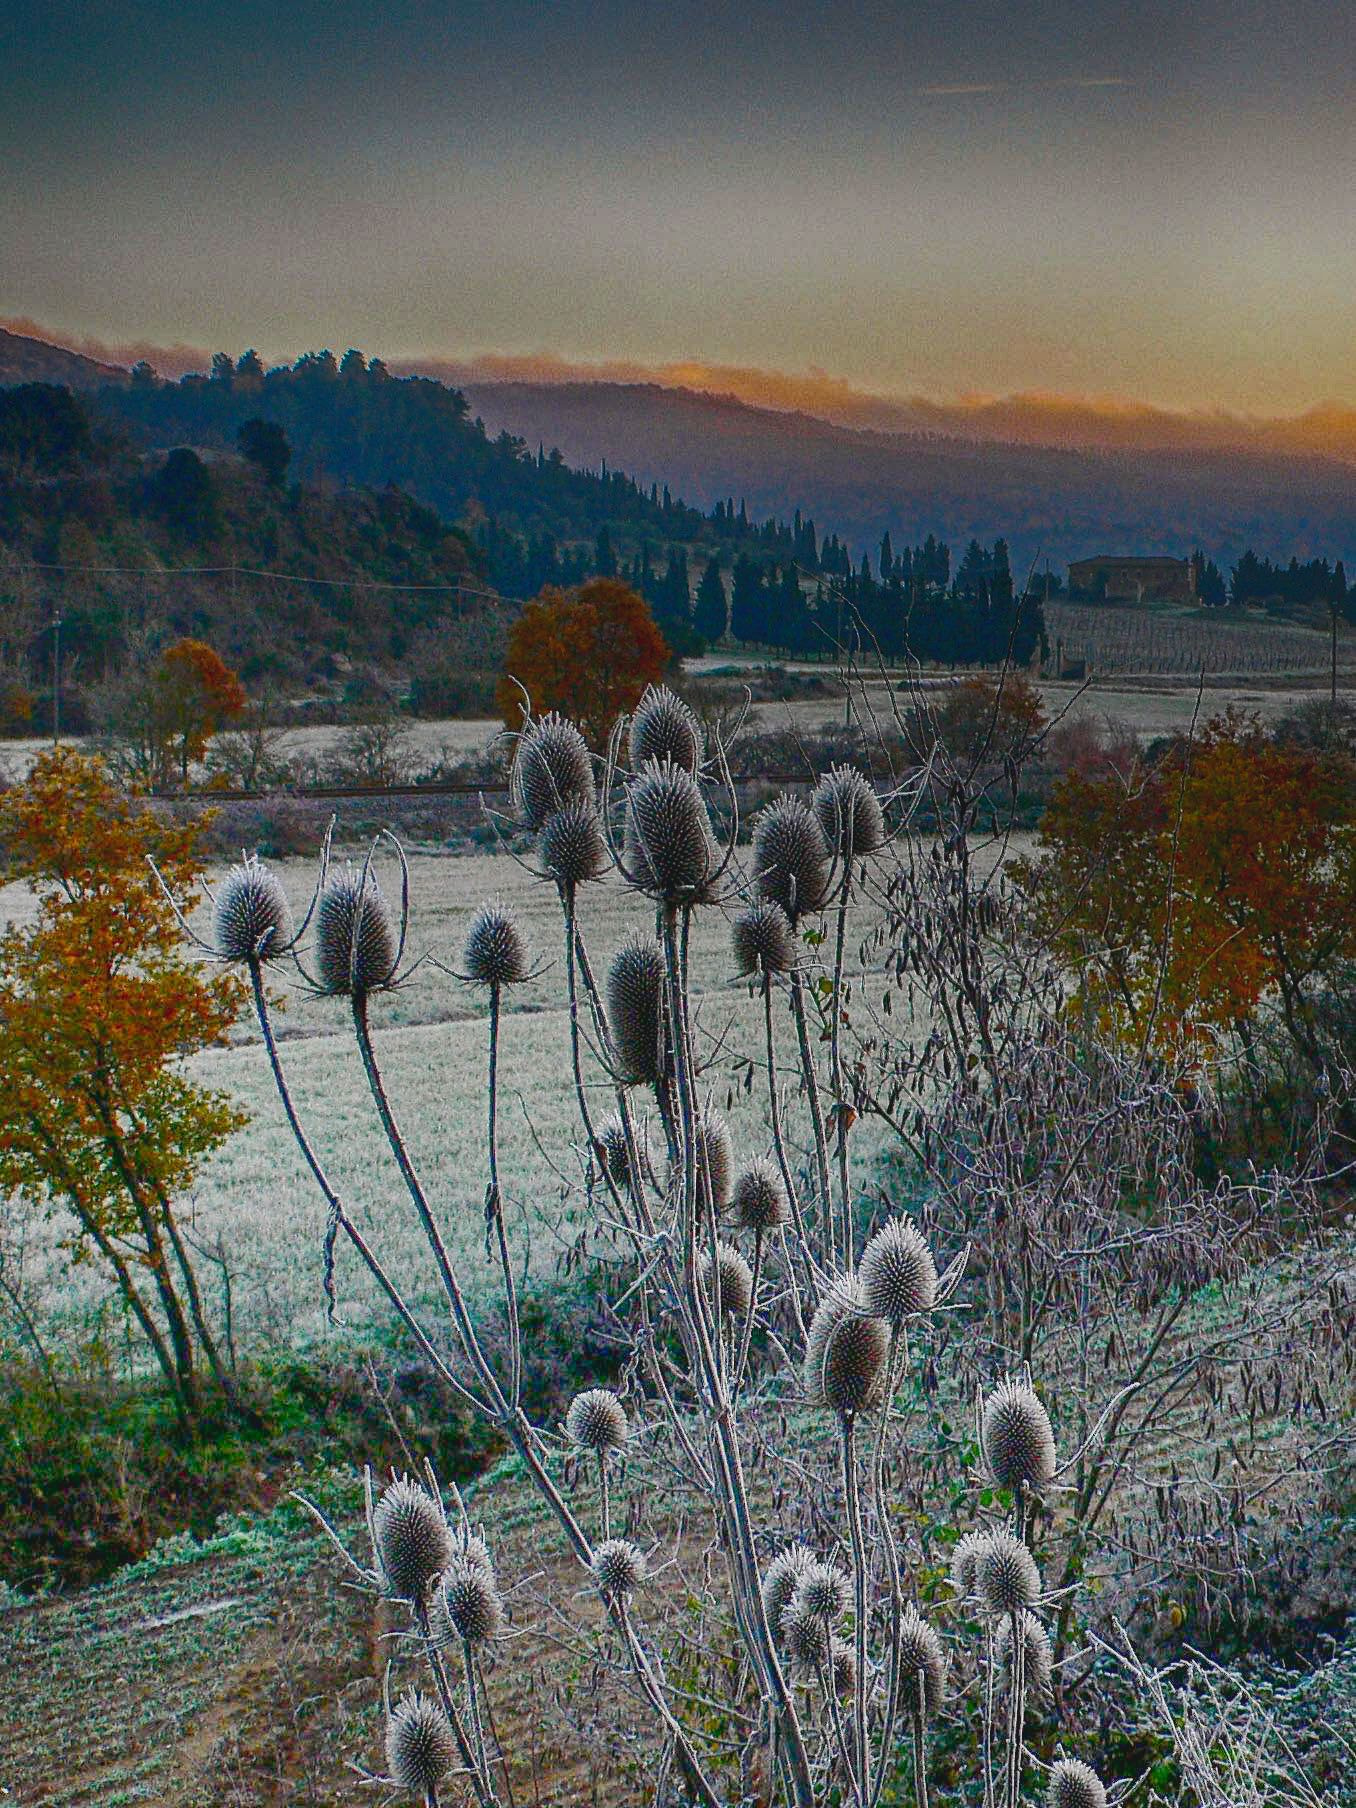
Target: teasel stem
{"points": [[481, 1783], [783, 1160], [920, 1766], [898, 1342], [741, 1361], [338, 1212], [851, 1493], [604, 1495], [494, 1206], [451, 1286], [473, 1707], [829, 1255], [746, 1591], [990, 1691], [1016, 1714], [835, 1714], [836, 1057]]}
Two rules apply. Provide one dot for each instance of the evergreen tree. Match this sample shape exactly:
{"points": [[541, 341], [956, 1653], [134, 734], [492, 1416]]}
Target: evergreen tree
{"points": [[604, 557], [712, 608]]}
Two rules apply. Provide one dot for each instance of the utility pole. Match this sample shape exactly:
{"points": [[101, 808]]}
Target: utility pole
{"points": [[56, 678]]}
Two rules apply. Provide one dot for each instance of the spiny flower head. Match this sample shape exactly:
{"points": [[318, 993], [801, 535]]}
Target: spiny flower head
{"points": [[822, 1590], [759, 1200], [763, 940], [669, 848], [571, 847], [845, 1350], [1075, 1785], [1006, 1577], [635, 1009], [1018, 1444], [413, 1541], [964, 1562], [619, 1567], [251, 919], [1038, 1656], [842, 1667], [472, 1549], [779, 1584], [790, 857], [664, 728], [735, 1276], [495, 954], [806, 1639], [597, 1420], [552, 768], [356, 938], [898, 1273], [714, 1154], [922, 1664], [471, 1601], [421, 1747], [849, 812], [612, 1150]]}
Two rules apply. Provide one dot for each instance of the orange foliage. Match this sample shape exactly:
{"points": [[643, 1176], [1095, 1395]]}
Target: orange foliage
{"points": [[98, 1007], [1188, 892], [987, 718], [196, 692], [589, 653]]}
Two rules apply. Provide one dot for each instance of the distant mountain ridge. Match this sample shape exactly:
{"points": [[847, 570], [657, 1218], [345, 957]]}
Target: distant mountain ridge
{"points": [[24, 360], [1058, 502]]}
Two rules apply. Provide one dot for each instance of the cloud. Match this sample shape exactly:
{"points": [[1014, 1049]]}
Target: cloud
{"points": [[963, 88], [1064, 81], [170, 360]]}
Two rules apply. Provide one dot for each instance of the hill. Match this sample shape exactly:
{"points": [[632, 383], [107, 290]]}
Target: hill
{"points": [[1060, 502], [24, 360]]}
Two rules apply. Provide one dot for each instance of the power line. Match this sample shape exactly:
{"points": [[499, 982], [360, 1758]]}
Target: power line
{"points": [[251, 571]]}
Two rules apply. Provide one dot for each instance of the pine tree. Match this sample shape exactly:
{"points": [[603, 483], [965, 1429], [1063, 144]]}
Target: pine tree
{"points": [[712, 608]]}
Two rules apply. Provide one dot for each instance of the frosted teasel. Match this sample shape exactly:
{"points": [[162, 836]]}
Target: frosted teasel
{"points": [[664, 727], [829, 1707]]}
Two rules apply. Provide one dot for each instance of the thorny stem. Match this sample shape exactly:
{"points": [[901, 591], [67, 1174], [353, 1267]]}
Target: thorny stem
{"points": [[811, 1079], [920, 1769], [481, 1782], [494, 1208], [1016, 1714], [886, 1536], [473, 1706], [783, 1159], [854, 1510], [747, 1334], [836, 1057]]}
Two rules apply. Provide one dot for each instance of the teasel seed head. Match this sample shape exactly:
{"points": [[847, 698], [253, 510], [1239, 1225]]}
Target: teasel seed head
{"points": [[899, 1276], [551, 769], [1015, 1434], [611, 1150], [414, 1544], [472, 1549], [791, 857], [964, 1562], [571, 846], [842, 1667], [421, 1747], [635, 1010], [669, 847], [849, 812], [664, 728], [759, 1200], [619, 1567], [1038, 1657], [351, 909], [779, 1584], [495, 954], [806, 1639], [470, 1599], [921, 1661], [714, 1154], [597, 1420], [1006, 1577], [821, 1590], [763, 940], [845, 1350], [251, 919], [736, 1280], [1075, 1785]]}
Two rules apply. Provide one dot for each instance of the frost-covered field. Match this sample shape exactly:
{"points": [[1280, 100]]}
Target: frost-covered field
{"points": [[255, 1203]]}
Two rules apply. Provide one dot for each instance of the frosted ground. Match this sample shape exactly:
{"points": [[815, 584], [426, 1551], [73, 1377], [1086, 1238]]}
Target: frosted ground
{"points": [[256, 1205]]}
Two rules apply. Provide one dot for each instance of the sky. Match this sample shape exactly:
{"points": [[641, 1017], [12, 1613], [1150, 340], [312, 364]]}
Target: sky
{"points": [[1154, 201]]}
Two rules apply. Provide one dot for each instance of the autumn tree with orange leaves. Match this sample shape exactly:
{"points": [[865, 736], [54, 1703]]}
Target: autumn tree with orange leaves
{"points": [[166, 716], [589, 653], [1192, 892], [98, 1010]]}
